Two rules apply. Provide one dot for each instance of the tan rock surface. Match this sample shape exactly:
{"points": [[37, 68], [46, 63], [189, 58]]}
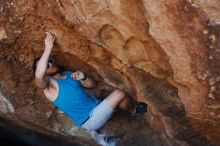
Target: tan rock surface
{"points": [[162, 52]]}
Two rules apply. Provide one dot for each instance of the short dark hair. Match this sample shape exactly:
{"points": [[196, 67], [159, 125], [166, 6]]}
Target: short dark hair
{"points": [[34, 66]]}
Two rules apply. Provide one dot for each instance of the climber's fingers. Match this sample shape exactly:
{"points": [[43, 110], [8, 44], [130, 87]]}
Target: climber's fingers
{"points": [[74, 75], [78, 75], [50, 36], [53, 38], [47, 33]]}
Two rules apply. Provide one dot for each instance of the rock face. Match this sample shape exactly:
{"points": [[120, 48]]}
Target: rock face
{"points": [[165, 53], [211, 8]]}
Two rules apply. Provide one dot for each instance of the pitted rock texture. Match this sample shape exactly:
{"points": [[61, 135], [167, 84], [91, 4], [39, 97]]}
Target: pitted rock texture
{"points": [[211, 8], [164, 53]]}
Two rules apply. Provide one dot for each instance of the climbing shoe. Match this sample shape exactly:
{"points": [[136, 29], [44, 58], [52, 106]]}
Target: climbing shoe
{"points": [[141, 108]]}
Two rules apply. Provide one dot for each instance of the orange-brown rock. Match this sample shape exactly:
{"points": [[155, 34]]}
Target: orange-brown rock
{"points": [[165, 53]]}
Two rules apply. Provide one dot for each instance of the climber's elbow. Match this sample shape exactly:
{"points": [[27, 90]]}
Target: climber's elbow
{"points": [[88, 83], [92, 84], [41, 82]]}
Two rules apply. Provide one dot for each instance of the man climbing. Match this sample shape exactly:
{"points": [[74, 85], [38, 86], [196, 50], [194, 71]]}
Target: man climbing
{"points": [[65, 90]]}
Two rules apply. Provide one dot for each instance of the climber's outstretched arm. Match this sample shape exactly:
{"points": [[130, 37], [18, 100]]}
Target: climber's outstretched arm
{"points": [[84, 80], [40, 78]]}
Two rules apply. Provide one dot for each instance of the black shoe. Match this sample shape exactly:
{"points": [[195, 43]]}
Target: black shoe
{"points": [[141, 108]]}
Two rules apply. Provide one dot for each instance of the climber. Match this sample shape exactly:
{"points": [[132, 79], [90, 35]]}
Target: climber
{"points": [[65, 90]]}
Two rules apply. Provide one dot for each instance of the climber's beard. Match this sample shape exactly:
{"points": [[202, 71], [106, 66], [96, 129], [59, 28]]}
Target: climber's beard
{"points": [[52, 71], [51, 74]]}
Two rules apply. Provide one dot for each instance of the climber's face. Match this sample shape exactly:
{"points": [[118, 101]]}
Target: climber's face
{"points": [[52, 69]]}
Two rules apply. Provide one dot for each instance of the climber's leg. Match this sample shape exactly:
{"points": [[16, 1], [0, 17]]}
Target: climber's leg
{"points": [[119, 99], [99, 116], [103, 112]]}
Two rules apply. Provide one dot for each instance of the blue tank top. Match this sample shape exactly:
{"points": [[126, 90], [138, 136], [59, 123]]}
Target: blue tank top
{"points": [[73, 100]]}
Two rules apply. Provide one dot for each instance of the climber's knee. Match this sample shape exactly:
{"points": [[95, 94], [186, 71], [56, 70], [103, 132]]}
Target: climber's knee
{"points": [[115, 98]]}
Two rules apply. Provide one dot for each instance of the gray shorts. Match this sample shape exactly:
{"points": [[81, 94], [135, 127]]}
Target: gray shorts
{"points": [[99, 116]]}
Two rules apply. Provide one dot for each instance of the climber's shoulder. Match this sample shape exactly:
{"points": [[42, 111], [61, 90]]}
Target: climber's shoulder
{"points": [[51, 90]]}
